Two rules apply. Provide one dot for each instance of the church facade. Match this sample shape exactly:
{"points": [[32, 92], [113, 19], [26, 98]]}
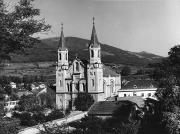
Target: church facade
{"points": [[90, 76]]}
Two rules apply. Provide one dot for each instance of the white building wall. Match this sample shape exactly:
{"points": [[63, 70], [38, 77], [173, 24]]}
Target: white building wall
{"points": [[144, 93], [63, 57], [96, 56], [110, 91], [95, 79]]}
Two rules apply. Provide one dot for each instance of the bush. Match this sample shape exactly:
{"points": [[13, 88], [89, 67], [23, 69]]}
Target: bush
{"points": [[53, 129], [39, 117], [27, 119], [55, 114], [126, 71], [83, 101], [9, 125]]}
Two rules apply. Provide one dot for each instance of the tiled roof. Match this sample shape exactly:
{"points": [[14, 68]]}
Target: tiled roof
{"points": [[139, 84], [109, 72], [135, 99], [135, 77], [108, 107]]}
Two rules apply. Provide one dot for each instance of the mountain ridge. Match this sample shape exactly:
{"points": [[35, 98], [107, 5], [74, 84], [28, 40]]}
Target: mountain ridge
{"points": [[47, 51]]}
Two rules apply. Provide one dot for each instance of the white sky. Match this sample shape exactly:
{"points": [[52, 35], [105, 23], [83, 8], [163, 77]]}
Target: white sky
{"points": [[134, 25]]}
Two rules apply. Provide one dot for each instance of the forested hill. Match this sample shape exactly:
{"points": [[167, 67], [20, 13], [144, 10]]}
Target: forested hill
{"points": [[47, 51]]}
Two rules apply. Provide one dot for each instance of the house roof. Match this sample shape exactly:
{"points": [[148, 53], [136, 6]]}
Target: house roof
{"points": [[105, 108], [109, 72], [136, 77], [139, 84], [135, 99]]}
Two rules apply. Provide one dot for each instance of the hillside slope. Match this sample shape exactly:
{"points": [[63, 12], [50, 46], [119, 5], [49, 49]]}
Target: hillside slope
{"points": [[47, 51]]}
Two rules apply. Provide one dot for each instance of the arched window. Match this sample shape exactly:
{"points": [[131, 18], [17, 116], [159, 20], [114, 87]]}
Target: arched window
{"points": [[92, 82], [112, 86], [99, 53], [66, 56], [68, 88], [92, 53], [104, 86], [77, 66], [84, 87], [60, 56], [77, 87], [60, 83], [124, 95]]}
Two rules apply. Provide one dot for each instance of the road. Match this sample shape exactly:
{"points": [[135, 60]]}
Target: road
{"points": [[71, 118]]}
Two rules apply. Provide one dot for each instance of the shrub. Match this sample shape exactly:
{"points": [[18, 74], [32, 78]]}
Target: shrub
{"points": [[83, 101], [39, 117], [27, 119], [55, 114], [53, 129]]}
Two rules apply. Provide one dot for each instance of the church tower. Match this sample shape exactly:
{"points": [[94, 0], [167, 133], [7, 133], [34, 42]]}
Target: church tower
{"points": [[61, 73], [95, 67]]}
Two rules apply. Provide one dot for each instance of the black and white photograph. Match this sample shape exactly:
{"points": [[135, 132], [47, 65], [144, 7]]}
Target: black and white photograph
{"points": [[89, 66]]}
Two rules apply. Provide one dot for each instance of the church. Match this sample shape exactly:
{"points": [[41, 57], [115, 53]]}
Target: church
{"points": [[90, 76]]}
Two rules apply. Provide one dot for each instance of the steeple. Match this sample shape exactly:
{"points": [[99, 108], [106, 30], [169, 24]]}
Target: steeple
{"points": [[62, 39], [94, 40]]}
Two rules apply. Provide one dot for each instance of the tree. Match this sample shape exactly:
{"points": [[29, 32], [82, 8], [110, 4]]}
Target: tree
{"points": [[8, 89], [83, 101], [55, 114], [126, 71], [17, 27], [47, 100], [14, 97], [29, 103], [167, 73]]}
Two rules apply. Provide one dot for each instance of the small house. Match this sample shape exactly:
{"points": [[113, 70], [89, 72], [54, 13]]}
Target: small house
{"points": [[142, 88], [107, 109]]}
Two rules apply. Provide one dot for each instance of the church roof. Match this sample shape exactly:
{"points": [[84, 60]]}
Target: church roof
{"points": [[62, 40], [139, 84], [94, 40], [109, 72], [105, 108]]}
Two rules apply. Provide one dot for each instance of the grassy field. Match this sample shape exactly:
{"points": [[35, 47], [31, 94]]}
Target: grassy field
{"points": [[21, 69], [46, 69]]}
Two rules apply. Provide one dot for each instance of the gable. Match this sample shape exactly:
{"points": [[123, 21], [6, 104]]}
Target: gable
{"points": [[76, 67], [109, 72]]}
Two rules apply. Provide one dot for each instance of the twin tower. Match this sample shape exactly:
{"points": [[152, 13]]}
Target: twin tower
{"points": [[81, 76]]}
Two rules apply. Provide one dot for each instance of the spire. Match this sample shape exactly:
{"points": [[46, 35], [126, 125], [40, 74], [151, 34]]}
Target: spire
{"points": [[94, 40], [62, 39]]}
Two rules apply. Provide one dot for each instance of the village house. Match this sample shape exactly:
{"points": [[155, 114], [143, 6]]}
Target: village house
{"points": [[108, 109], [142, 88]]}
